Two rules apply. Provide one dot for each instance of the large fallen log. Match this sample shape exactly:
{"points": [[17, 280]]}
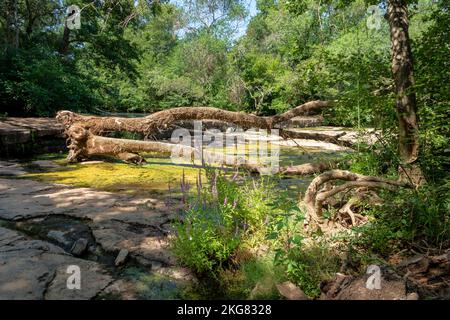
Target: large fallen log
{"points": [[308, 168], [84, 144], [289, 134], [84, 140], [162, 119]]}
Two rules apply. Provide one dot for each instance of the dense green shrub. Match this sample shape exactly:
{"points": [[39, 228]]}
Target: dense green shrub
{"points": [[408, 218], [223, 216], [39, 81], [305, 263]]}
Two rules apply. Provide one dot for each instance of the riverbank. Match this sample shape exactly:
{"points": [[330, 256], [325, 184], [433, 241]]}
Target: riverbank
{"points": [[22, 137], [120, 242]]}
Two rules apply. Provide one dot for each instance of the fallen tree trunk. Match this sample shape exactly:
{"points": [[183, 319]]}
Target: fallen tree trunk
{"points": [[308, 168], [84, 144], [300, 170], [288, 134], [162, 119], [84, 141]]}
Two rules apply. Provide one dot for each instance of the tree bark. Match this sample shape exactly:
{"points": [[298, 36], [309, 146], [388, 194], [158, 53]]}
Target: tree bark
{"points": [[162, 119], [65, 41], [315, 197], [406, 107], [84, 144], [317, 136], [12, 24]]}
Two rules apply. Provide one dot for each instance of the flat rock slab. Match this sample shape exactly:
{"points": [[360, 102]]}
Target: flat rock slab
{"points": [[25, 136], [11, 169], [117, 221], [20, 130], [35, 269], [46, 164]]}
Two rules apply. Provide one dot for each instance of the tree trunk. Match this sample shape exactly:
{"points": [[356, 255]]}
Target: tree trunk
{"points": [[30, 18], [64, 45], [406, 108], [12, 24], [84, 142], [162, 119]]}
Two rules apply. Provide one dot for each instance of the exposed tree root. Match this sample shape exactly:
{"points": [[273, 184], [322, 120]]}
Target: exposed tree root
{"points": [[315, 196], [347, 210]]}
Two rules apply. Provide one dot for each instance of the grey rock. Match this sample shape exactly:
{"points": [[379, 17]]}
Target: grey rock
{"points": [[35, 269], [291, 292], [79, 247], [46, 164], [11, 169], [93, 281], [121, 257], [118, 222], [58, 236], [156, 265], [412, 296], [261, 290]]}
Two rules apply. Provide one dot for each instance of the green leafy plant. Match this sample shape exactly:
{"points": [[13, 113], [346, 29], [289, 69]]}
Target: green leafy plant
{"points": [[223, 216], [409, 218], [306, 261]]}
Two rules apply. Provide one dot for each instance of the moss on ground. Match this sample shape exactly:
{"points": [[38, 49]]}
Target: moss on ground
{"points": [[155, 176]]}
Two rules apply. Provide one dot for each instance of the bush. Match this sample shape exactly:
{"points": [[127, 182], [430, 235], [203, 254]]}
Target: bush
{"points": [[225, 215], [39, 82], [407, 218], [305, 264]]}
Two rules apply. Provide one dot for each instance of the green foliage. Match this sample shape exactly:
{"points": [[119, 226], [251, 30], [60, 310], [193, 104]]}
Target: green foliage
{"points": [[255, 279], [184, 54], [378, 159], [219, 18], [205, 240], [305, 263], [433, 90], [407, 218], [223, 217], [39, 82]]}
